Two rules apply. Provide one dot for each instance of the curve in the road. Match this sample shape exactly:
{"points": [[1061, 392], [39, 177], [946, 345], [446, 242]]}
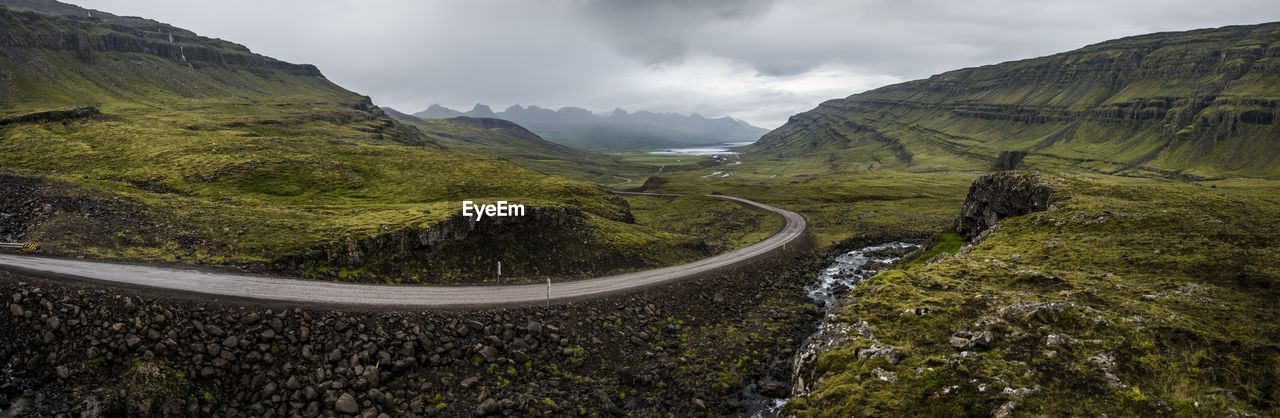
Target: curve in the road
{"points": [[279, 289]]}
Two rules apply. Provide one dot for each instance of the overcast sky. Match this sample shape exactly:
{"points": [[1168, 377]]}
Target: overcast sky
{"points": [[756, 60]]}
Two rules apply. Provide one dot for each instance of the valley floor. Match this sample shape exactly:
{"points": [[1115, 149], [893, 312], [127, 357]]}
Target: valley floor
{"points": [[1126, 296]]}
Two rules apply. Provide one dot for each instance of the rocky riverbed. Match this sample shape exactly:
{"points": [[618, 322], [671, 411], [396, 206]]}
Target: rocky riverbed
{"points": [[832, 285]]}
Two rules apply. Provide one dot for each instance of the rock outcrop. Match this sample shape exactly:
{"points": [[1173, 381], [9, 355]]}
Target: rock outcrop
{"points": [[456, 228], [53, 116], [546, 241], [997, 196]]}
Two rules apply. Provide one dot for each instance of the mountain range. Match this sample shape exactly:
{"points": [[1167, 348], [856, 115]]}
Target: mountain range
{"points": [[580, 128], [1199, 103], [506, 139]]}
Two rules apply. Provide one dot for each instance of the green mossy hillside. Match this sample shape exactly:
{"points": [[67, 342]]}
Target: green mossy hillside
{"points": [[722, 224], [1197, 103], [836, 205], [1129, 297], [207, 153]]}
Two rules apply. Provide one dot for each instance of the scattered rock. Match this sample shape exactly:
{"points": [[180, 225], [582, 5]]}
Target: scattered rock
{"points": [[1021, 393], [292, 383], [214, 331], [1106, 363], [884, 375], [916, 311], [346, 404], [941, 256], [1029, 309], [489, 353], [1054, 340], [487, 407], [965, 340], [1005, 409], [881, 351]]}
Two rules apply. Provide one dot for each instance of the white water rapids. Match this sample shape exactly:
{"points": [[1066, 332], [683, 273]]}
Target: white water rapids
{"points": [[835, 282]]}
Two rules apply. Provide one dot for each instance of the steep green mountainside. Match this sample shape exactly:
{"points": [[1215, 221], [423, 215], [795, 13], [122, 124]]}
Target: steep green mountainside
{"points": [[1203, 102], [145, 141], [497, 137]]}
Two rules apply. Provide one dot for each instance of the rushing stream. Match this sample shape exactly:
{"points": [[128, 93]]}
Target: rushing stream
{"points": [[835, 282]]}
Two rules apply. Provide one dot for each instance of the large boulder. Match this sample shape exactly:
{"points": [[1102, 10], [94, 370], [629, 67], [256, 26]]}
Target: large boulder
{"points": [[1001, 195]]}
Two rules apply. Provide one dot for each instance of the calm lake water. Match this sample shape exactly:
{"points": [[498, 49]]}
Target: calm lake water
{"points": [[721, 149]]}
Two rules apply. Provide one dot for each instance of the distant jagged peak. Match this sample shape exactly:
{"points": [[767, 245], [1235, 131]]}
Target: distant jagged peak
{"points": [[482, 110]]}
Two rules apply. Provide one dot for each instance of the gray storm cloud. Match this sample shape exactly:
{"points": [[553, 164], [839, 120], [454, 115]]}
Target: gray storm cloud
{"points": [[659, 32], [758, 60]]}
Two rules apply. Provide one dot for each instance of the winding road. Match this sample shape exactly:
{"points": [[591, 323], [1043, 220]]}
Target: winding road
{"points": [[280, 289]]}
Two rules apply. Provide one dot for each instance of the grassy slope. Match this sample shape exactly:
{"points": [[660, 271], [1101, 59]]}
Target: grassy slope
{"points": [[1199, 102], [241, 163], [1176, 281], [533, 153], [837, 205], [724, 225]]}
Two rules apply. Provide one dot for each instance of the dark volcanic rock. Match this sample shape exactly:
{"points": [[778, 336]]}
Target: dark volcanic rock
{"points": [[53, 116], [189, 356], [346, 404], [997, 196]]}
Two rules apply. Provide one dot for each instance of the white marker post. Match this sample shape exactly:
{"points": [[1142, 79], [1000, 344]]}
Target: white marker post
{"points": [[500, 272], [548, 293]]}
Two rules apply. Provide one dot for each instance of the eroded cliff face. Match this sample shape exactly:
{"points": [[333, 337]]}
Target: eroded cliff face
{"points": [[1200, 102], [85, 35]]}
